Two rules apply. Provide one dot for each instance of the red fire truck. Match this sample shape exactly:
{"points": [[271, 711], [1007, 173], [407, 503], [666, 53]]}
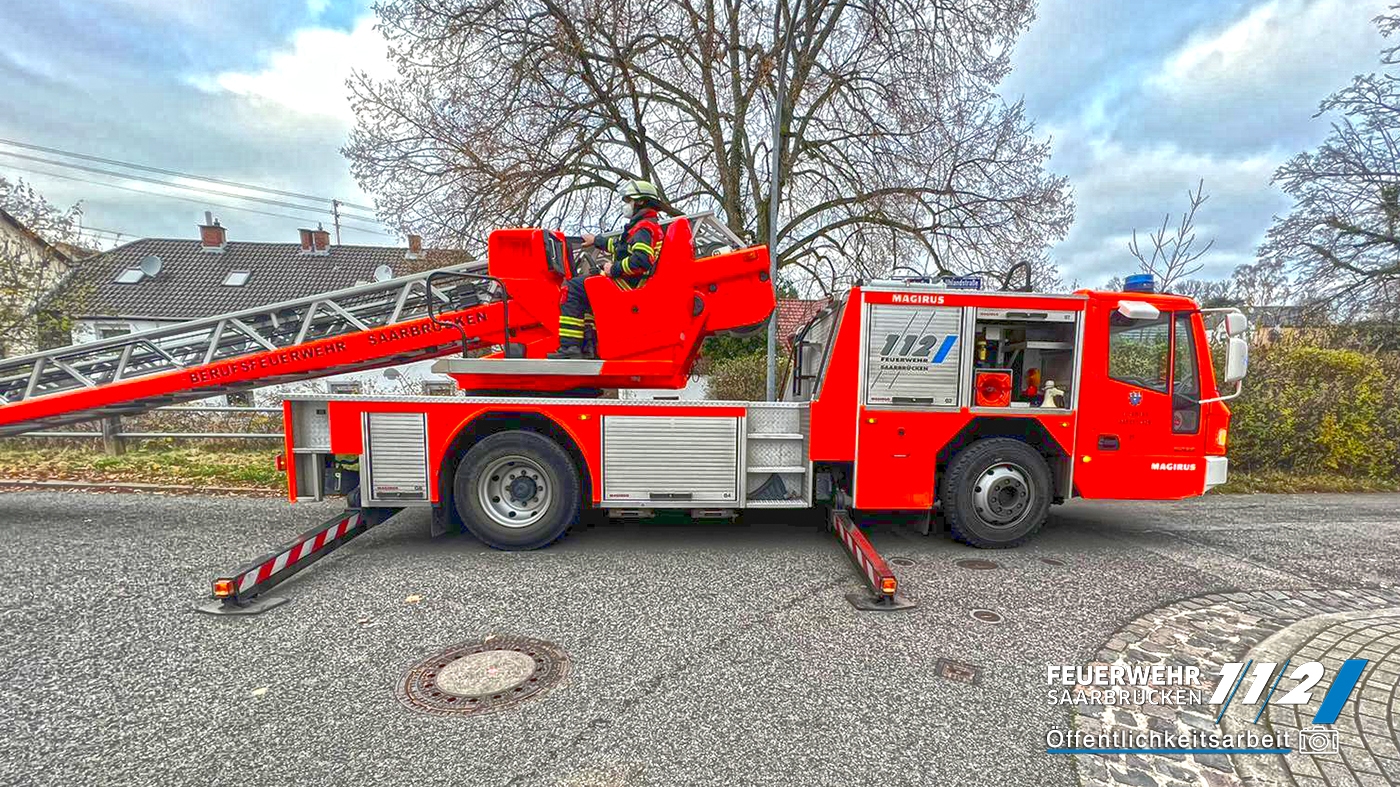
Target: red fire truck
{"points": [[903, 395]]}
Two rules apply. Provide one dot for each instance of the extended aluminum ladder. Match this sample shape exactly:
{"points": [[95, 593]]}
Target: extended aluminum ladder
{"points": [[377, 324]]}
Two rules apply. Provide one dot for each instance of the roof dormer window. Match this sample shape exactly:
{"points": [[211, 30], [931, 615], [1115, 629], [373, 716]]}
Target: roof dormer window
{"points": [[237, 278], [130, 276]]}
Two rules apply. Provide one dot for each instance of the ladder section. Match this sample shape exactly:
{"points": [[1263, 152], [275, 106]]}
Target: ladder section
{"points": [[777, 473], [362, 327]]}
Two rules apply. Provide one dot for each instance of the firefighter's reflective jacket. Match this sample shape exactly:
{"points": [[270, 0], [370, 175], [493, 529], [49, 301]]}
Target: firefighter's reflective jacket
{"points": [[635, 250]]}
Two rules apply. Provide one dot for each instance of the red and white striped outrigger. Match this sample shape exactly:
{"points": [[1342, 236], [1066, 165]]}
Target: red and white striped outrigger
{"points": [[872, 567], [240, 591]]}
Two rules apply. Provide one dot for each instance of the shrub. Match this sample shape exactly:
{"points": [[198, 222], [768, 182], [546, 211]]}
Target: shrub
{"points": [[742, 378], [1309, 409]]}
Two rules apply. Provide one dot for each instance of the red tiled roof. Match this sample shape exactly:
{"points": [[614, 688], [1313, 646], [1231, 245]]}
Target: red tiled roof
{"points": [[793, 314]]}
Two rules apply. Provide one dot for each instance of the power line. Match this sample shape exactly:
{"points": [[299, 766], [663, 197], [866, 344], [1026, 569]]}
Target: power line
{"points": [[175, 173], [197, 202], [167, 184], [192, 200]]}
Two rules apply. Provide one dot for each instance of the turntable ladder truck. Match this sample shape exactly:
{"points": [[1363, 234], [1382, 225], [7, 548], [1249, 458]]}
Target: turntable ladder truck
{"points": [[903, 395]]}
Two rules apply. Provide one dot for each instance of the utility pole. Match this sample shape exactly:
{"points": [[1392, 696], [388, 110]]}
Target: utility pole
{"points": [[779, 121], [335, 215]]}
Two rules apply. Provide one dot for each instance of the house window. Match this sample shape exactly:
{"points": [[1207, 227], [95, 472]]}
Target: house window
{"points": [[345, 388], [439, 388], [112, 331], [130, 276], [240, 399], [237, 278]]}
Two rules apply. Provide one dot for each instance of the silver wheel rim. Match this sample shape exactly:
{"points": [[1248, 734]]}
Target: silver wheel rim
{"points": [[514, 491], [1003, 495]]}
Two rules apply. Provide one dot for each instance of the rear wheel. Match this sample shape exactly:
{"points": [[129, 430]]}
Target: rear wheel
{"points": [[517, 490], [996, 493]]}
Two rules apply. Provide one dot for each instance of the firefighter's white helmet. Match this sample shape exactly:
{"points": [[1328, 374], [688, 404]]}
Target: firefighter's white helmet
{"points": [[632, 190]]}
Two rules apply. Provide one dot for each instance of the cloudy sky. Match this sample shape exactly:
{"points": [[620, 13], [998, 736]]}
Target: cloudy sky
{"points": [[1141, 99]]}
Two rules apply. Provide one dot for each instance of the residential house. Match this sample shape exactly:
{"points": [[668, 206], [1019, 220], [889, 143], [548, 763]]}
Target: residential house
{"points": [[29, 267], [113, 295]]}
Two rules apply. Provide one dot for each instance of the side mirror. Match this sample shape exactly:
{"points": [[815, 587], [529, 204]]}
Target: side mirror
{"points": [[1235, 324], [1236, 357]]}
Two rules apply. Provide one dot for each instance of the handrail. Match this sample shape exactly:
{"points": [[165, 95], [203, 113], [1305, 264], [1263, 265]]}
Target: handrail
{"points": [[466, 338]]}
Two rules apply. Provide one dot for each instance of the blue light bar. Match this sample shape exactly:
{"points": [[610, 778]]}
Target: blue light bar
{"points": [[1139, 282]]}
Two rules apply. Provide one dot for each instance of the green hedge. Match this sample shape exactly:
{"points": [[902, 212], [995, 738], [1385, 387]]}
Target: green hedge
{"points": [[1309, 409], [743, 378]]}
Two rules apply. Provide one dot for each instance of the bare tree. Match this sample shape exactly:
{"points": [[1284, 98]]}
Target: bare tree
{"points": [[896, 145], [1174, 256], [1341, 240], [1209, 293], [1263, 283], [30, 263]]}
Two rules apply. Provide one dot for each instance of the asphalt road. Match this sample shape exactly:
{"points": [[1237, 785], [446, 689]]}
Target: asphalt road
{"points": [[702, 654]]}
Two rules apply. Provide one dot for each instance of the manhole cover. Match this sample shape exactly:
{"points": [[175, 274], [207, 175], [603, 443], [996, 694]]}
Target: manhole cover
{"points": [[484, 676], [903, 562], [1050, 561], [986, 616], [958, 671], [977, 564]]}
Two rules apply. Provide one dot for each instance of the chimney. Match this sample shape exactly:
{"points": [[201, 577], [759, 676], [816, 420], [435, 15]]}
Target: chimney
{"points": [[212, 237], [316, 241], [415, 248]]}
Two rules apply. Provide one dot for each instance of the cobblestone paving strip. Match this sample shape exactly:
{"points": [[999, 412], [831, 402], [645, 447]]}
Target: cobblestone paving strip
{"points": [[1328, 626]]}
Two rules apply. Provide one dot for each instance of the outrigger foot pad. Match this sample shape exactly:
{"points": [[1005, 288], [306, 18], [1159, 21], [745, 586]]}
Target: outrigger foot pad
{"points": [[868, 603], [257, 605]]}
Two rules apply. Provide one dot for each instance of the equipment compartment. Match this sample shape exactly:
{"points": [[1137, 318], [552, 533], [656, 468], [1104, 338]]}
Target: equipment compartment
{"points": [[1036, 347], [670, 462]]}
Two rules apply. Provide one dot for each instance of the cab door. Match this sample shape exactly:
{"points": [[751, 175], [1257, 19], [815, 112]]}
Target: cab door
{"points": [[1140, 434]]}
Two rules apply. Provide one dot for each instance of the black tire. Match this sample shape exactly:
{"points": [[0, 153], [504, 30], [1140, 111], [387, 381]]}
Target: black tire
{"points": [[518, 463], [996, 493]]}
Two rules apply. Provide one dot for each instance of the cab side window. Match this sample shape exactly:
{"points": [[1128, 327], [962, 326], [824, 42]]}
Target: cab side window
{"points": [[1139, 351], [1186, 388]]}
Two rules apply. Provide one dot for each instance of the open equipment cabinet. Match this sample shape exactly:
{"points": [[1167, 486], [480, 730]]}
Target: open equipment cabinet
{"points": [[1035, 349]]}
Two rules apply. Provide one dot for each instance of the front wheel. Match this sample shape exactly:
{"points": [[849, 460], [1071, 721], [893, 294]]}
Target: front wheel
{"points": [[517, 490], [996, 493]]}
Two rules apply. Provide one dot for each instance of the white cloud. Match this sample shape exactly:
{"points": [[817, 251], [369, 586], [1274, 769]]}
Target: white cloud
{"points": [[310, 76], [1121, 188], [1281, 47], [1228, 101]]}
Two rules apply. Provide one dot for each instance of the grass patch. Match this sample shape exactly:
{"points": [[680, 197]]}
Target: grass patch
{"points": [[249, 469], [1293, 483]]}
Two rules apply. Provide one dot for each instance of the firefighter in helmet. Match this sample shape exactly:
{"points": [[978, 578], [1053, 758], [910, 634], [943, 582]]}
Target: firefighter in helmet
{"points": [[631, 260]]}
